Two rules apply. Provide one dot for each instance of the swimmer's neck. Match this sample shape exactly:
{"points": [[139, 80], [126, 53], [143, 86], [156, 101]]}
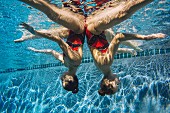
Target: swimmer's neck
{"points": [[72, 71], [108, 74]]}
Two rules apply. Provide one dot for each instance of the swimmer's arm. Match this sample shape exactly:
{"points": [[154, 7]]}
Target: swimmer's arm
{"points": [[26, 36], [49, 36], [132, 45], [120, 37], [127, 50], [66, 18], [61, 32], [63, 45], [49, 51], [109, 34], [41, 33], [113, 14]]}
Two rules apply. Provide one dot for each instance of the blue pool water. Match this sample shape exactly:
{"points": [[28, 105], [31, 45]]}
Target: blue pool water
{"points": [[30, 82]]}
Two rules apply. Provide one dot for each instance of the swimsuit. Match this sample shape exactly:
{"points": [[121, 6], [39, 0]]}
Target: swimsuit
{"points": [[75, 40], [97, 41]]}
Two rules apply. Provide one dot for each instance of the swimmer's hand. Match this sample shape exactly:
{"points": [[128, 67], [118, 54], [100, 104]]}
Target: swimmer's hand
{"points": [[154, 36], [40, 50], [33, 49], [133, 52], [28, 27], [25, 37], [19, 40], [138, 49]]}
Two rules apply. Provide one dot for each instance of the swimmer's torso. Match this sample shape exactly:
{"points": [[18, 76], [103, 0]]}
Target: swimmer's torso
{"points": [[99, 48], [75, 40], [73, 54], [73, 59], [102, 60]]}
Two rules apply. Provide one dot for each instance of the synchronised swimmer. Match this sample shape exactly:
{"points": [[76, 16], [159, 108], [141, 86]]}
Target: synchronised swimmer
{"points": [[76, 24]]}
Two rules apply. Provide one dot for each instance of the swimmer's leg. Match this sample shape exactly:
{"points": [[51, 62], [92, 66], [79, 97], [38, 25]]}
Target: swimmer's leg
{"points": [[61, 32], [49, 51], [127, 36], [113, 14], [109, 33], [63, 45], [126, 50], [66, 18], [120, 37]]}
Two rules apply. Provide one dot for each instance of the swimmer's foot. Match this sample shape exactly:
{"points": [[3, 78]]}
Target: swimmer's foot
{"points": [[38, 50]]}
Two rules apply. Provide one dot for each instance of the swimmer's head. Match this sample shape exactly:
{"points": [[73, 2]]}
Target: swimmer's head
{"points": [[70, 83], [109, 86]]}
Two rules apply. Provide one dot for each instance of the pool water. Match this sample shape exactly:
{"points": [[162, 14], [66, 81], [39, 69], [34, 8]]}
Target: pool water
{"points": [[30, 82]]}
